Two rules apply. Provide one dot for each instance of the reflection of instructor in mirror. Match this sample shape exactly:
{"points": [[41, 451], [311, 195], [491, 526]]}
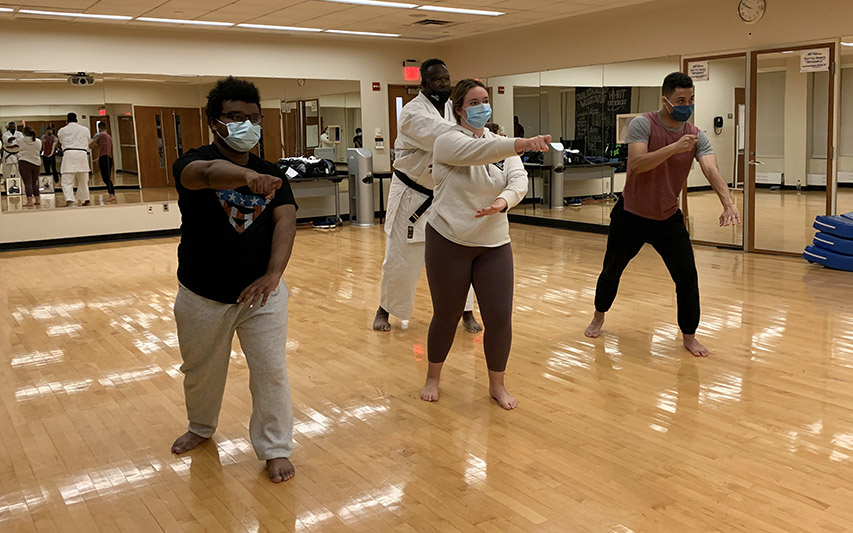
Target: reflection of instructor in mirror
{"points": [[357, 141]]}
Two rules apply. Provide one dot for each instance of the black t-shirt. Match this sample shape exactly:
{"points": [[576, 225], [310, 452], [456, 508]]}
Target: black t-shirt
{"points": [[226, 236]]}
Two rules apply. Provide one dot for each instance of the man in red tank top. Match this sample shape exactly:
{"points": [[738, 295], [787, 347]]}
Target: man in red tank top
{"points": [[661, 148]]}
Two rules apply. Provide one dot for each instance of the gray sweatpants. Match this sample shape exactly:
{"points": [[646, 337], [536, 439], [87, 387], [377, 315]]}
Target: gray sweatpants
{"points": [[205, 331]]}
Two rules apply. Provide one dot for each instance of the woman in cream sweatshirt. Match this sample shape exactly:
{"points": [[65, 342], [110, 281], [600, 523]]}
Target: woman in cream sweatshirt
{"points": [[478, 177]]}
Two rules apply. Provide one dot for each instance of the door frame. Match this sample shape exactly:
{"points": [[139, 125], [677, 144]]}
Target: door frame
{"points": [[752, 119], [745, 215]]}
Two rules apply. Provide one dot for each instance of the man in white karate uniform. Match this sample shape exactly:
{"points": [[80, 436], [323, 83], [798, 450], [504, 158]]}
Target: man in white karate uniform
{"points": [[73, 138], [423, 119]]}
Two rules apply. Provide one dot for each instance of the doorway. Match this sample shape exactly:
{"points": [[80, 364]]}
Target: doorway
{"points": [[790, 177], [164, 134]]}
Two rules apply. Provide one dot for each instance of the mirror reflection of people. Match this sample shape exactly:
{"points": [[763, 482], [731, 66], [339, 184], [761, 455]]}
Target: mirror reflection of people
{"points": [[73, 138], [48, 147], [517, 128], [357, 141], [230, 266], [661, 148], [104, 142], [11, 137], [29, 165], [325, 141], [421, 121], [478, 177]]}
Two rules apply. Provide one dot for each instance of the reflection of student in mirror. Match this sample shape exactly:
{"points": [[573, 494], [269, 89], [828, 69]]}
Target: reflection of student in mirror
{"points": [[10, 150], [518, 129], [29, 164], [357, 140], [104, 142], [48, 144]]}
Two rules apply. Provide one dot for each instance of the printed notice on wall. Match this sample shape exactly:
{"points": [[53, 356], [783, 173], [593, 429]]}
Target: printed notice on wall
{"points": [[814, 60], [698, 71]]}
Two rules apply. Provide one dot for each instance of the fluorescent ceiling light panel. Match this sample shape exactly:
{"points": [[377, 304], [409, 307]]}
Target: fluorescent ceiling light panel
{"points": [[277, 28], [364, 33], [183, 21], [375, 3], [462, 11], [846, 44], [43, 79], [6, 10], [73, 15]]}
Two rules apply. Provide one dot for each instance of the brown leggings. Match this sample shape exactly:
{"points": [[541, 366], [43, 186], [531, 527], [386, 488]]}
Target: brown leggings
{"points": [[30, 176], [451, 268]]}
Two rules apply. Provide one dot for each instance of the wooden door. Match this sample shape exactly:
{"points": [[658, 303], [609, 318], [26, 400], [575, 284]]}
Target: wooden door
{"points": [[127, 144], [290, 124], [182, 133], [398, 96], [271, 134], [150, 147]]}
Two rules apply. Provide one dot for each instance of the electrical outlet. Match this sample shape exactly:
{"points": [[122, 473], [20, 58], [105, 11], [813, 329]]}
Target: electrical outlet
{"points": [[165, 208], [150, 209]]}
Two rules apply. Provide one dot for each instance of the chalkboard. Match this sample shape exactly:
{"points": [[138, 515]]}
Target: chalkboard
{"points": [[595, 116]]}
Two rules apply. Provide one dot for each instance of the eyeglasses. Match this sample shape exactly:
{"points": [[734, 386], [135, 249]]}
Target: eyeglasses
{"points": [[236, 116]]}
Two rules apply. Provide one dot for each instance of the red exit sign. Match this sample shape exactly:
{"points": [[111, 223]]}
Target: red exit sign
{"points": [[376, 86]]}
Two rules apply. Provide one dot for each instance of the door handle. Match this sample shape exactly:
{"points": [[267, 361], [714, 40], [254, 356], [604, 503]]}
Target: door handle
{"points": [[753, 163]]}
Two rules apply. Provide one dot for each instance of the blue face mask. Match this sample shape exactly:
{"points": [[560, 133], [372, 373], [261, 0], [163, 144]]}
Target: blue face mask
{"points": [[242, 136], [681, 113], [478, 115]]}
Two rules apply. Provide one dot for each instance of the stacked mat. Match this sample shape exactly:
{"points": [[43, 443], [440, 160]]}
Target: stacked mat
{"points": [[833, 243]]}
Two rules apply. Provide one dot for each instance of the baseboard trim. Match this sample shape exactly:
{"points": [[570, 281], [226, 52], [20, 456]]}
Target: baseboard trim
{"points": [[558, 223], [88, 239]]}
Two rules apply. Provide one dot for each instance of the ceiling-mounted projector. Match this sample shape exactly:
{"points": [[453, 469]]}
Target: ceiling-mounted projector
{"points": [[81, 78]]}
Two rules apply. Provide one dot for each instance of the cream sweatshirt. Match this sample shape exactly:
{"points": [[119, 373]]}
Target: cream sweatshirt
{"points": [[470, 173]]}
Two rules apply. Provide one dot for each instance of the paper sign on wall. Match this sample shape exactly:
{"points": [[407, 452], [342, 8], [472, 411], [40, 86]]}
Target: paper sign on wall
{"points": [[698, 71], [814, 60]]}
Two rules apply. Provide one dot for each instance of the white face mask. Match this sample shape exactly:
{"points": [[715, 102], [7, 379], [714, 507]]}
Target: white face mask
{"points": [[242, 136]]}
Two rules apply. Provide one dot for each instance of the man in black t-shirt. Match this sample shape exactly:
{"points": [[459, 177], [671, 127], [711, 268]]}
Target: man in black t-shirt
{"points": [[238, 221]]}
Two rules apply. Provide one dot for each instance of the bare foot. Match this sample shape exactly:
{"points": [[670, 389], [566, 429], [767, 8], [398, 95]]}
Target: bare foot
{"points": [[694, 347], [504, 398], [187, 442], [380, 321], [593, 330], [470, 323], [430, 391], [280, 469]]}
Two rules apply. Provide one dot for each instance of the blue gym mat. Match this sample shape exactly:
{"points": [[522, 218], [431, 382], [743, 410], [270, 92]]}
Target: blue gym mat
{"points": [[838, 225], [824, 257]]}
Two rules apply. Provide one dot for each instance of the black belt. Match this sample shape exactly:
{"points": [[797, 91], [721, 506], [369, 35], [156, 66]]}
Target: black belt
{"points": [[410, 183], [80, 149]]}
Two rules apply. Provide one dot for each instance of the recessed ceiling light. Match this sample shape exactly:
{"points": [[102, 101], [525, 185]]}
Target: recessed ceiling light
{"points": [[277, 28], [375, 3], [183, 21], [462, 11], [74, 15], [364, 33]]}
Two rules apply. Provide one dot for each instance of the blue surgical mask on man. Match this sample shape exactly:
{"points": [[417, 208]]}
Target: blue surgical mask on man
{"points": [[478, 115], [680, 113], [242, 136]]}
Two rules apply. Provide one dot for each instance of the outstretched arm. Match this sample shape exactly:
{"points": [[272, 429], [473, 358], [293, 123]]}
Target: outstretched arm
{"points": [[708, 164]]}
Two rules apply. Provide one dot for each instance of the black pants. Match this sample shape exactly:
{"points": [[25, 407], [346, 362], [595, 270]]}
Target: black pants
{"points": [[50, 167], [451, 269], [669, 238], [105, 163]]}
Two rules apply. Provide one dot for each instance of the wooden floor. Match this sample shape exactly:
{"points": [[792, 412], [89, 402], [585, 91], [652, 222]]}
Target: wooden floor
{"points": [[624, 433], [15, 204]]}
